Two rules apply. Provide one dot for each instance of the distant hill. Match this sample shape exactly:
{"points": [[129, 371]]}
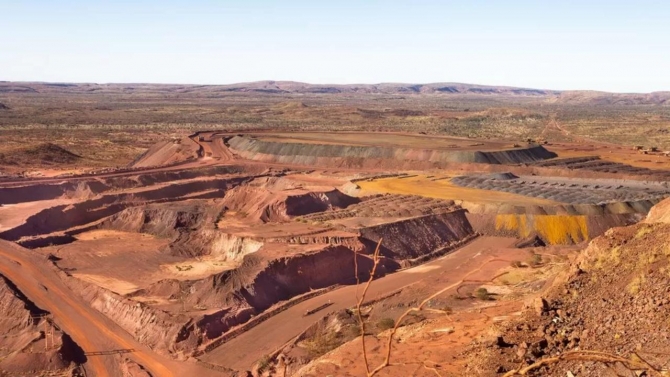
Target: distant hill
{"points": [[603, 98], [292, 87], [38, 155], [275, 87]]}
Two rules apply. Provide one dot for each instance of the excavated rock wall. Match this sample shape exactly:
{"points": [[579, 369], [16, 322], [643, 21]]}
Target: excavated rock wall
{"points": [[148, 325], [31, 193], [25, 192], [214, 243], [258, 203], [162, 221], [60, 218], [259, 284], [190, 226], [414, 237]]}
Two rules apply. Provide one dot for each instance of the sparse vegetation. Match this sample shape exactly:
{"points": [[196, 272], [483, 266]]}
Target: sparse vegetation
{"points": [[323, 341], [482, 294], [385, 323], [264, 363], [103, 117], [535, 260]]}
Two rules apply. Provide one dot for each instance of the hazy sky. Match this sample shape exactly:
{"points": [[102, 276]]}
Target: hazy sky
{"points": [[613, 45]]}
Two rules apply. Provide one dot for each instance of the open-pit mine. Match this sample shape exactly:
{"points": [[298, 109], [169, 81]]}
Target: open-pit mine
{"points": [[218, 253]]}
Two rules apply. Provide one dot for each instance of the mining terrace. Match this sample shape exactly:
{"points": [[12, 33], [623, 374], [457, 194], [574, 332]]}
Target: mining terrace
{"points": [[204, 255]]}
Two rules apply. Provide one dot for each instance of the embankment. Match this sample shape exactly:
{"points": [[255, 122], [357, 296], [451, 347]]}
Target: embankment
{"points": [[372, 156], [25, 191], [167, 153]]}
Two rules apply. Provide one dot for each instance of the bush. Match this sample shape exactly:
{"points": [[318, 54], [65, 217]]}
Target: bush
{"points": [[482, 294], [264, 363], [355, 330], [386, 323], [322, 342], [536, 260]]}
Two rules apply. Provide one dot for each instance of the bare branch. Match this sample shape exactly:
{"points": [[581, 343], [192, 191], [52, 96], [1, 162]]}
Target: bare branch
{"points": [[375, 259], [596, 356]]}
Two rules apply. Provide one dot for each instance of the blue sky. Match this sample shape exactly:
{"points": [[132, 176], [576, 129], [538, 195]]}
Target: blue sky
{"points": [[621, 46]]}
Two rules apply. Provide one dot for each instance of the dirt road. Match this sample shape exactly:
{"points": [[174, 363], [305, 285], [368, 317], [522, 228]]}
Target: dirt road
{"points": [[90, 329], [242, 352]]}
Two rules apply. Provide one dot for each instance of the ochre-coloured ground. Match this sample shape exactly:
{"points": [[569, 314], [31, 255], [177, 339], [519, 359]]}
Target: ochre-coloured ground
{"points": [[480, 259], [555, 229], [434, 346], [179, 255], [440, 187], [136, 257]]}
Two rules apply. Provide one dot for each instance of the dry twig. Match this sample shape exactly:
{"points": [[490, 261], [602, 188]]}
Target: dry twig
{"points": [[359, 304], [635, 363]]}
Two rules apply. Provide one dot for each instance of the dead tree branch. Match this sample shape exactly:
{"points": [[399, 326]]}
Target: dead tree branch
{"points": [[359, 304], [633, 363]]}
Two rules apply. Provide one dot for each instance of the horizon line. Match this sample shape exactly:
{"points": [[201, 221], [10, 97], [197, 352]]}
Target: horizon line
{"points": [[559, 91]]}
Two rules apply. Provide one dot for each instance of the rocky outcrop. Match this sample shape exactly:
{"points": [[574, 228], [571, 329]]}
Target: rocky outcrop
{"points": [[613, 299]]}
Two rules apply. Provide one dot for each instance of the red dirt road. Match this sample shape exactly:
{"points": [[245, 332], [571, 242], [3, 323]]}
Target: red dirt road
{"points": [[90, 329], [476, 261]]}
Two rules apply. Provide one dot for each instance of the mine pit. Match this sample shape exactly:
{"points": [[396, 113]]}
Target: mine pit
{"points": [[211, 248]]}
